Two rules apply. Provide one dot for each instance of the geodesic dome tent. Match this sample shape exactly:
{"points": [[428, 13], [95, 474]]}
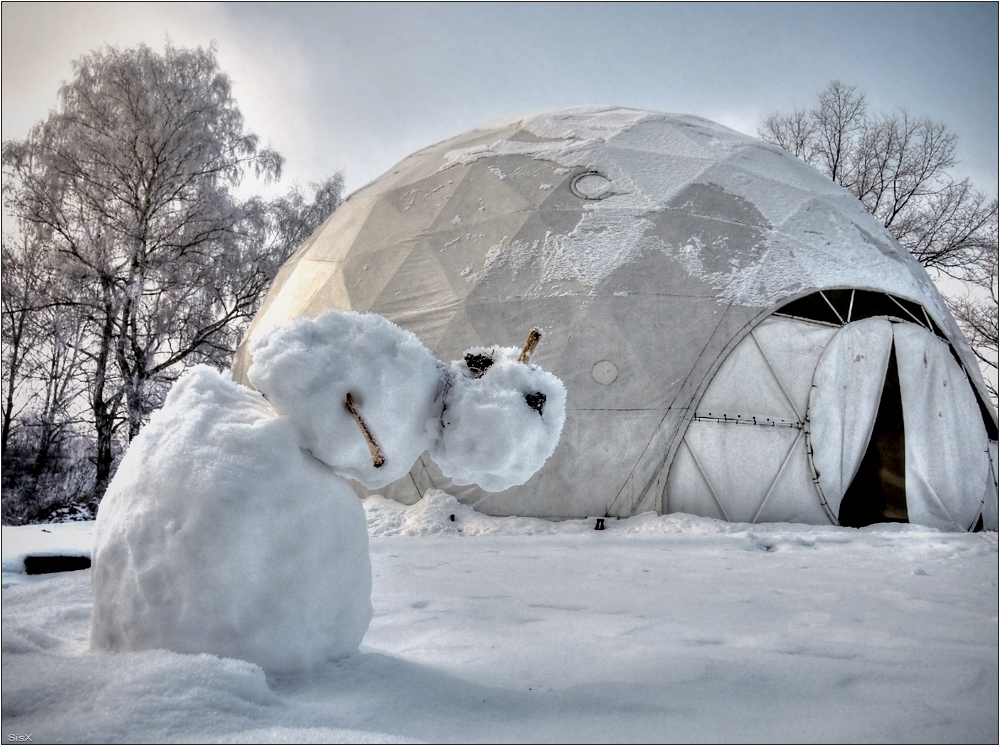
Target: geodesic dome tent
{"points": [[738, 336]]}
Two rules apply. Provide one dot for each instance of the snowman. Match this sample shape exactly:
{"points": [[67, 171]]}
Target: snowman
{"points": [[230, 527]]}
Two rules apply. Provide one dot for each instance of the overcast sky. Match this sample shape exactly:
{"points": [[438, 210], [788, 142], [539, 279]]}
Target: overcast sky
{"points": [[358, 87]]}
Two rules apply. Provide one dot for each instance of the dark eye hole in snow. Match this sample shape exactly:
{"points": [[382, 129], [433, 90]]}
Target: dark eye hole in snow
{"points": [[478, 364], [536, 401]]}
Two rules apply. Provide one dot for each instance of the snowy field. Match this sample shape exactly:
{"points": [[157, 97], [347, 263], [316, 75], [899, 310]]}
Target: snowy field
{"points": [[662, 629]]}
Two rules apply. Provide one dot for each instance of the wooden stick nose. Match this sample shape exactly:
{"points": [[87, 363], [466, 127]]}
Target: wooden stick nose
{"points": [[377, 458]]}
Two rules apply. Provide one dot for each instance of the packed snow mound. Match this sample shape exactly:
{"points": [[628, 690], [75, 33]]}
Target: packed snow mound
{"points": [[307, 367], [501, 421], [220, 535], [439, 514]]}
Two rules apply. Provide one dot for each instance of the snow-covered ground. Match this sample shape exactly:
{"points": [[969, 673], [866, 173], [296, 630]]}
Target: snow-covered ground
{"points": [[669, 628]]}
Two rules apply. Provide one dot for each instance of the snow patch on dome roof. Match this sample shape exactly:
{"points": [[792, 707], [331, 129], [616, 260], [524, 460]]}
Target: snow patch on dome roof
{"points": [[818, 235], [600, 244]]}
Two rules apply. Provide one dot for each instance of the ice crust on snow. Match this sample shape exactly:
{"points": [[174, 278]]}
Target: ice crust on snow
{"points": [[306, 367], [220, 535], [598, 245], [490, 435]]}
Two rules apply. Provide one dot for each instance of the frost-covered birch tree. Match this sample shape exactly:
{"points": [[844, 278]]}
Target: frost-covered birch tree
{"points": [[130, 184]]}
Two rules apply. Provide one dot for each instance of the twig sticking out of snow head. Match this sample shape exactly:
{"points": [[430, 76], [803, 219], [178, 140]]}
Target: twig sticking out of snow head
{"points": [[377, 458], [534, 399], [534, 337]]}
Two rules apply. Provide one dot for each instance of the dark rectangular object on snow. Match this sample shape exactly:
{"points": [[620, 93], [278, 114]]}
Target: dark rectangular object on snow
{"points": [[40, 565]]}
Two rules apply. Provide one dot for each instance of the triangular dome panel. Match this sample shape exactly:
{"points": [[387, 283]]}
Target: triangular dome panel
{"points": [[367, 274], [740, 462], [418, 282], [746, 388]]}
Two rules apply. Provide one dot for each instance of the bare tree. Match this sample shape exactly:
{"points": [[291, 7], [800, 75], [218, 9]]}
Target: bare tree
{"points": [[21, 300], [899, 167], [129, 184], [976, 312], [42, 376]]}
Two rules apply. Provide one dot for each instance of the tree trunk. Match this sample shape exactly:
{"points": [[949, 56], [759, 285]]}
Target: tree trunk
{"points": [[104, 409]]}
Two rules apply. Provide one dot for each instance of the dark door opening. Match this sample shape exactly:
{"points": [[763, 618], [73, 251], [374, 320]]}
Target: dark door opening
{"points": [[878, 492]]}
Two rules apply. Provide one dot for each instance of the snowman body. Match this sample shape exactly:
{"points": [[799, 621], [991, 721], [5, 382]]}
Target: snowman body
{"points": [[230, 527]]}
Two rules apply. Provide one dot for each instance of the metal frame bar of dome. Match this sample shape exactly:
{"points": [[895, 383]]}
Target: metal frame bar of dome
{"points": [[834, 308], [708, 483], [918, 321], [777, 477], [774, 373]]}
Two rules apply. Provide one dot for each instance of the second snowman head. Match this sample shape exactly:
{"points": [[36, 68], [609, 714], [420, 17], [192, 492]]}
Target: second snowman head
{"points": [[501, 419]]}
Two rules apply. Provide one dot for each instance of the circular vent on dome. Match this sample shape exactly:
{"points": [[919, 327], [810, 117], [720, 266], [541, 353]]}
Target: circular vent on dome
{"points": [[591, 185]]}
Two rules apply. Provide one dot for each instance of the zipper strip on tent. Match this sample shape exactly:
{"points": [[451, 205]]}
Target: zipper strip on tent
{"points": [[750, 420], [815, 476]]}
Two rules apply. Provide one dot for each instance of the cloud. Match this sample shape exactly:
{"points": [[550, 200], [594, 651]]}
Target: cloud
{"points": [[359, 86]]}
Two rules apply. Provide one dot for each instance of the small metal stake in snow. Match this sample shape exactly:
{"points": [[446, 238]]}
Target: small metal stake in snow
{"points": [[529, 346], [600, 525], [377, 458]]}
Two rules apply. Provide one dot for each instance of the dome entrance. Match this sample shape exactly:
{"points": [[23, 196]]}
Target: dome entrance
{"points": [[878, 492]]}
